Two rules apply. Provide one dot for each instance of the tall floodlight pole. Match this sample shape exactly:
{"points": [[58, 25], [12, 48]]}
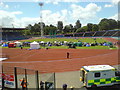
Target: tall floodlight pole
{"points": [[41, 25]]}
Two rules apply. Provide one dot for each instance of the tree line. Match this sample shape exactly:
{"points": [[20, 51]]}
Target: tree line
{"points": [[104, 24]]}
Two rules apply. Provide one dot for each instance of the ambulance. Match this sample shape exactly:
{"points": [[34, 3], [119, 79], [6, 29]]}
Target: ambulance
{"points": [[99, 75]]}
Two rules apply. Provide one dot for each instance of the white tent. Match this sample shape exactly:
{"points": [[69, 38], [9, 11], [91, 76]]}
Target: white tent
{"points": [[34, 45], [65, 41], [42, 42], [1, 59], [17, 43]]}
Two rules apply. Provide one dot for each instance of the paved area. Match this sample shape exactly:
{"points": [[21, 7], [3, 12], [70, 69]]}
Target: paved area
{"points": [[71, 79]]}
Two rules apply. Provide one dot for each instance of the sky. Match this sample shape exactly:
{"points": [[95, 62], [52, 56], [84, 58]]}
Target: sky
{"points": [[19, 13]]}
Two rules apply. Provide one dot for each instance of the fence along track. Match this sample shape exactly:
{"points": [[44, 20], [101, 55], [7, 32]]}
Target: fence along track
{"points": [[32, 77]]}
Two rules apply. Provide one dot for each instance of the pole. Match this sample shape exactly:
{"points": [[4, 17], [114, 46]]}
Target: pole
{"points": [[2, 78], [54, 82], [41, 25], [37, 80], [15, 73]]}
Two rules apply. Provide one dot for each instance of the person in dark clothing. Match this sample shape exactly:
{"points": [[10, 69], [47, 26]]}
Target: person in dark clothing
{"points": [[68, 55], [21, 47], [3, 81], [46, 48], [64, 86], [24, 84], [41, 85]]}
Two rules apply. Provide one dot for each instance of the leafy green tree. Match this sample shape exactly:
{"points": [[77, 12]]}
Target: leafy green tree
{"points": [[50, 30], [95, 27], [108, 24], [26, 32], [36, 28], [83, 29], [104, 25], [32, 30], [89, 25], [41, 24], [46, 30], [78, 24], [53, 30], [71, 27], [67, 29], [60, 26], [112, 24], [29, 27], [118, 24]]}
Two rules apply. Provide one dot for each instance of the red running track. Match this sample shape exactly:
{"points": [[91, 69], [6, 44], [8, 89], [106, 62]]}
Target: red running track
{"points": [[54, 60]]}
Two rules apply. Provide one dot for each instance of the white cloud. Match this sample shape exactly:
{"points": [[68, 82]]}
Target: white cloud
{"points": [[74, 1], [57, 1], [3, 6], [115, 2], [16, 12], [8, 19], [64, 12], [28, 20], [85, 14], [52, 1], [49, 17], [114, 17], [46, 12], [108, 5], [76, 12]]}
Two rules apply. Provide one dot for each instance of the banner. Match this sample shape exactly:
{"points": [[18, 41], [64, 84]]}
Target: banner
{"points": [[9, 81]]}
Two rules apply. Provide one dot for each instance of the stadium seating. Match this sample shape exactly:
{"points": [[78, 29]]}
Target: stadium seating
{"points": [[79, 34], [88, 34], [116, 34], [68, 35], [110, 33], [12, 36], [107, 33], [99, 33]]}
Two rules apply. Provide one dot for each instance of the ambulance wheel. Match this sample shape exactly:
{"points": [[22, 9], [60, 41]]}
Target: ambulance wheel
{"points": [[94, 86]]}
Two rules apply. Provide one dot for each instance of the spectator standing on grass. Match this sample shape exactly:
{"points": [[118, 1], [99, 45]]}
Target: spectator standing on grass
{"points": [[21, 46], [46, 48]]}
